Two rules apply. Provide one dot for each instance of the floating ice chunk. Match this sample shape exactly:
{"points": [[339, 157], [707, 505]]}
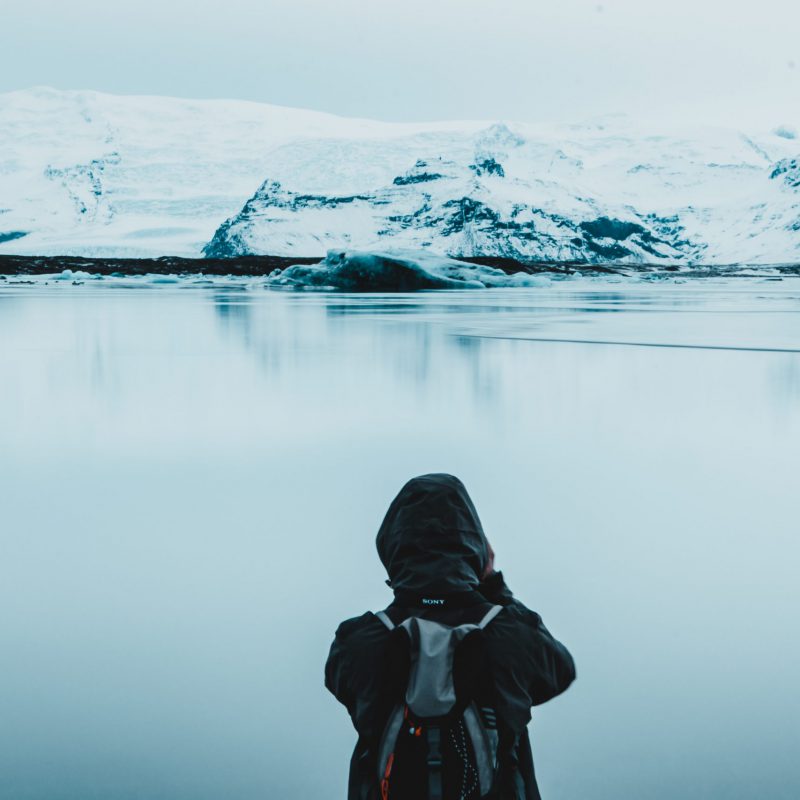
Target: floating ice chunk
{"points": [[400, 271], [72, 275]]}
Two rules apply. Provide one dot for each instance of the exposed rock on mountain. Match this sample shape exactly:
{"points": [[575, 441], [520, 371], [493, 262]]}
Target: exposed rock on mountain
{"points": [[82, 173]]}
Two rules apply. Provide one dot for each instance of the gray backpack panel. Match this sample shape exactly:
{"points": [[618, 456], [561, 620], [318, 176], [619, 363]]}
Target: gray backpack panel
{"points": [[431, 692]]}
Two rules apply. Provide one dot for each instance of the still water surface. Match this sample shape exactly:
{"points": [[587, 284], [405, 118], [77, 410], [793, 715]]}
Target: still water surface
{"points": [[192, 476]]}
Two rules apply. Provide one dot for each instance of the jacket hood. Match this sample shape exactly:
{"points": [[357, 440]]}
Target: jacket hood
{"points": [[431, 539]]}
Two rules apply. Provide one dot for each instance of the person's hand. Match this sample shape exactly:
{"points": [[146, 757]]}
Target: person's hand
{"points": [[489, 563]]}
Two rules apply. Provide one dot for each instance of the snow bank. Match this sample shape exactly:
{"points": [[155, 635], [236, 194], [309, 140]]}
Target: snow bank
{"points": [[99, 175], [402, 271], [786, 131]]}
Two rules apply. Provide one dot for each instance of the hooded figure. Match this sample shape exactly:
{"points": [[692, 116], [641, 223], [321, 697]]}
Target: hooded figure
{"points": [[440, 567], [431, 539]]}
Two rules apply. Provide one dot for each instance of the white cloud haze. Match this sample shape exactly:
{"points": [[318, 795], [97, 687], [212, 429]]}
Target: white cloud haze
{"points": [[514, 59]]}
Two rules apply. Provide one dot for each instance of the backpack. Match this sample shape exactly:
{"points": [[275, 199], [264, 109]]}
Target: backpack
{"points": [[436, 746]]}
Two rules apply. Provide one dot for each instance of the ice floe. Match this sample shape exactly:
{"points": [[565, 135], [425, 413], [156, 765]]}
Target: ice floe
{"points": [[402, 271]]}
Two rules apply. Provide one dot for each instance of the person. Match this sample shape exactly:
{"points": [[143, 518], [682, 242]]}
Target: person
{"points": [[441, 567]]}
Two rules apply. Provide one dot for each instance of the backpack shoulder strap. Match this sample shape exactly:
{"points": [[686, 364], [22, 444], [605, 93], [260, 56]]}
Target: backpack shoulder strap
{"points": [[384, 618], [489, 616]]}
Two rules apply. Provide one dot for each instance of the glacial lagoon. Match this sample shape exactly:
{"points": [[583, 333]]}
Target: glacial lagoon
{"points": [[192, 473]]}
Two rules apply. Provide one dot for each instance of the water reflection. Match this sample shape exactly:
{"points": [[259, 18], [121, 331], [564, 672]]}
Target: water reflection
{"points": [[192, 479]]}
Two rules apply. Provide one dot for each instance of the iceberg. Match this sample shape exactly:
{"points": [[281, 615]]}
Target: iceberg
{"points": [[401, 271]]}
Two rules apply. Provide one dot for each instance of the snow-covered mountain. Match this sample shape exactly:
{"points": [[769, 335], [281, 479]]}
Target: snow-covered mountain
{"points": [[91, 174]]}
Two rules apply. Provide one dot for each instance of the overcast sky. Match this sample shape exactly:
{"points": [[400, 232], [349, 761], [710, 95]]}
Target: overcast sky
{"points": [[716, 60]]}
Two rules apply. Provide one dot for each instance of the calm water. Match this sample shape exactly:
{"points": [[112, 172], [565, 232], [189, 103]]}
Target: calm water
{"points": [[191, 478]]}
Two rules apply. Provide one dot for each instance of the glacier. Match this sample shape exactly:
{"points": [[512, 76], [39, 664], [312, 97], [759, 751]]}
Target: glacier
{"points": [[96, 175]]}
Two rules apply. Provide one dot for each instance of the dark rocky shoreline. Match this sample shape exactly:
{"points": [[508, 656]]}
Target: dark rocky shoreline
{"points": [[239, 265], [248, 266]]}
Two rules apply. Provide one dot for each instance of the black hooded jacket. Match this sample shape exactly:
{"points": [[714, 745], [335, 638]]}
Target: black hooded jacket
{"points": [[434, 549]]}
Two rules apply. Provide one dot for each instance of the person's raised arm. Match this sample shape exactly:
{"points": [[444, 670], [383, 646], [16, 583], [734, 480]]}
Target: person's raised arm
{"points": [[549, 667]]}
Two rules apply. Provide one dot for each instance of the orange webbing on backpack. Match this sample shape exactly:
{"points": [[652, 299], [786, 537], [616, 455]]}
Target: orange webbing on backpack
{"points": [[385, 781]]}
